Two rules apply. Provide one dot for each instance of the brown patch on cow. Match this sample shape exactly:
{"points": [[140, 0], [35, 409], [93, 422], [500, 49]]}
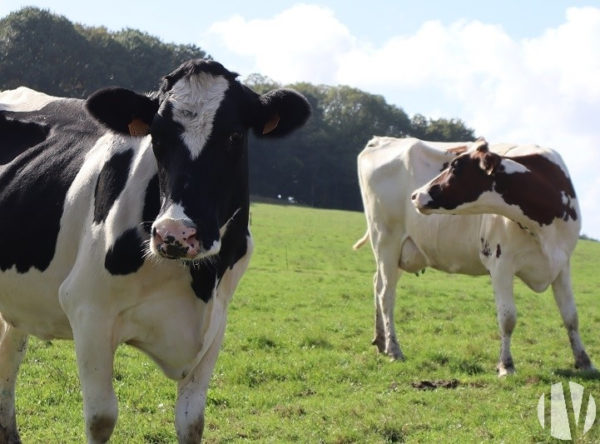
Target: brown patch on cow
{"points": [[462, 182], [543, 195], [432, 385], [498, 250], [488, 161]]}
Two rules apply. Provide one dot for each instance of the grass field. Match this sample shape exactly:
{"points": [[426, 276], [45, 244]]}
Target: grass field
{"points": [[297, 364]]}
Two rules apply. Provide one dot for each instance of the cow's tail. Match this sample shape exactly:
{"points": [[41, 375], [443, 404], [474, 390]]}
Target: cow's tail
{"points": [[359, 243]]}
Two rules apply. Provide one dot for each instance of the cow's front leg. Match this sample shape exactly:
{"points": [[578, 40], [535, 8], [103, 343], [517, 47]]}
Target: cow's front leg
{"points": [[13, 344], [191, 393], [93, 333], [507, 318], [563, 295]]}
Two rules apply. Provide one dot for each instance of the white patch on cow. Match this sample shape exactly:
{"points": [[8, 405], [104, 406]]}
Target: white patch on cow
{"points": [[174, 212], [24, 99], [512, 167], [195, 101], [214, 249], [489, 202]]}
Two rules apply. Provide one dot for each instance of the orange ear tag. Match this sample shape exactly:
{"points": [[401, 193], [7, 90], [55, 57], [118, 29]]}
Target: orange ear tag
{"points": [[271, 124], [138, 128]]}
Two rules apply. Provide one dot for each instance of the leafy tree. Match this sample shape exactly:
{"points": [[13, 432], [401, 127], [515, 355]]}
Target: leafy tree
{"points": [[316, 165], [439, 129], [47, 52]]}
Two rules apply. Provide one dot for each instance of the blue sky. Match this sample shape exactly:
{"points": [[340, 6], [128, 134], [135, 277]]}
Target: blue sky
{"points": [[515, 71]]}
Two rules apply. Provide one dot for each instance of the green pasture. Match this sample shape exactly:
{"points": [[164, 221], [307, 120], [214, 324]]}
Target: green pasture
{"points": [[297, 364]]}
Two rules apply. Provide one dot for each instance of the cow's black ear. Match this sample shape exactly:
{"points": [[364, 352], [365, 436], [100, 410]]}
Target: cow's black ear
{"points": [[122, 110], [281, 112]]}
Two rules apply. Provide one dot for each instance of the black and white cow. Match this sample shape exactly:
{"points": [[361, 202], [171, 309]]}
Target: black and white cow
{"points": [[124, 219]]}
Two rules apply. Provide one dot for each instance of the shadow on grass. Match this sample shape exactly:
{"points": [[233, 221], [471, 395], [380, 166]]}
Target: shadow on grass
{"points": [[581, 374]]}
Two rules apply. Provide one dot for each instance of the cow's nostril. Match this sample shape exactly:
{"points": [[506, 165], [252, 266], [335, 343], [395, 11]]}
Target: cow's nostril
{"points": [[413, 196], [189, 234]]}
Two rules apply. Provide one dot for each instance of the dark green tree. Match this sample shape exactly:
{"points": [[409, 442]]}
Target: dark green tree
{"points": [[316, 165], [47, 52], [439, 129]]}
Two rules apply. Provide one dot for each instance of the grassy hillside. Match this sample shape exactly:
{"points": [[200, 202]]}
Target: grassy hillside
{"points": [[297, 364]]}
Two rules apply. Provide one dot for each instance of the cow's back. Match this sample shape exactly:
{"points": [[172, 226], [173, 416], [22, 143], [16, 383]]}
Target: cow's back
{"points": [[35, 175], [45, 142], [389, 170]]}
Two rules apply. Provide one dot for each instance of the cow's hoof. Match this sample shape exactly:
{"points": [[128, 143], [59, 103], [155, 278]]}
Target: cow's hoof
{"points": [[396, 355], [584, 363], [380, 343], [504, 369], [589, 368]]}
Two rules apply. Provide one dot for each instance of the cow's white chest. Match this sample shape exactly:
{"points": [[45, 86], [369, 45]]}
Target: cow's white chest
{"points": [[175, 327]]}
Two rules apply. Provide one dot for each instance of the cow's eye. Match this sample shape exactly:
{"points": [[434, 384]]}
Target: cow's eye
{"points": [[455, 166], [235, 139]]}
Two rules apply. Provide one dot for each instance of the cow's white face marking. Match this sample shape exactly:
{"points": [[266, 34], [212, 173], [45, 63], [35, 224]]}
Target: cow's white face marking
{"points": [[195, 101], [174, 212]]}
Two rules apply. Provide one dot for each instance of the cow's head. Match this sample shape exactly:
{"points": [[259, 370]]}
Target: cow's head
{"points": [[464, 181], [198, 123]]}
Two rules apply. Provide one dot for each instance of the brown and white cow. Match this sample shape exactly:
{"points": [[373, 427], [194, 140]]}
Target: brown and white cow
{"points": [[506, 210]]}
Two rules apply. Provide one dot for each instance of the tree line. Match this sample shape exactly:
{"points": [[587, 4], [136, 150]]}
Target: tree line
{"points": [[316, 165]]}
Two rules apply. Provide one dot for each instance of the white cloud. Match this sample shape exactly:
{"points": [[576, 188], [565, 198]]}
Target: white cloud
{"points": [[300, 43], [544, 90]]}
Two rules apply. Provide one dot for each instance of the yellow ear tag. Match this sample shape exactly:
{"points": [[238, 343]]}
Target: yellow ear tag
{"points": [[137, 127], [271, 124]]}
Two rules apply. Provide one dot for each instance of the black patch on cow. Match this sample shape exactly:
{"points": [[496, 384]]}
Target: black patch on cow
{"points": [[234, 246], [485, 250], [111, 181], [17, 136], [498, 250], [34, 183], [126, 255], [151, 204]]}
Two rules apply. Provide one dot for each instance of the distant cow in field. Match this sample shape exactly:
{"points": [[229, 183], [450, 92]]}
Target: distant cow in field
{"points": [[504, 210], [124, 219]]}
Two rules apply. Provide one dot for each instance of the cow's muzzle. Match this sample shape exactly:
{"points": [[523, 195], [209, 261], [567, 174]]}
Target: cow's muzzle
{"points": [[177, 239], [421, 201]]}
